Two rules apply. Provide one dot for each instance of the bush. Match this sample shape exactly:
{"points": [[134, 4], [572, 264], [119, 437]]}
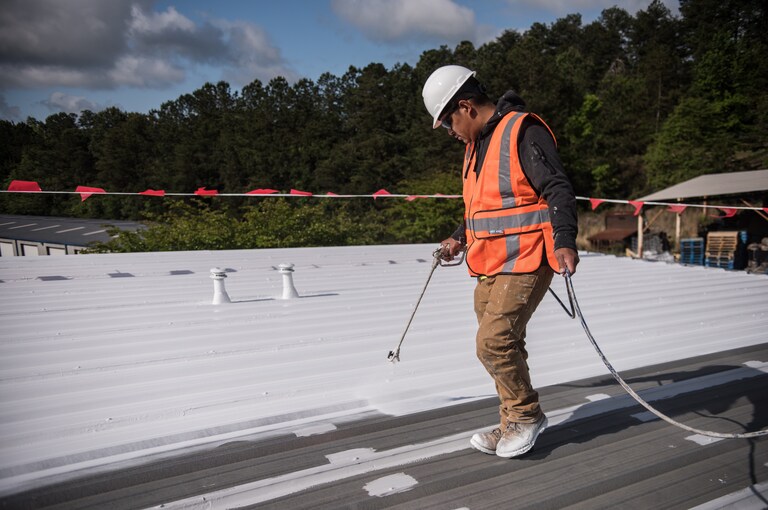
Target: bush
{"points": [[274, 223]]}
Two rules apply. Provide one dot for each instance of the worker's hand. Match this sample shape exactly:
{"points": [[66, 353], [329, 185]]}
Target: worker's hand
{"points": [[568, 259], [450, 248]]}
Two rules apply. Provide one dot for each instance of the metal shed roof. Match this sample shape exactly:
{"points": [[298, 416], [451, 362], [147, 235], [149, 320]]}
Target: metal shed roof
{"points": [[49, 229], [714, 184]]}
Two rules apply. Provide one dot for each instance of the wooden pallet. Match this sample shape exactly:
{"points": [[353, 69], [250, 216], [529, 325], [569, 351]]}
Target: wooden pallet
{"points": [[721, 249]]}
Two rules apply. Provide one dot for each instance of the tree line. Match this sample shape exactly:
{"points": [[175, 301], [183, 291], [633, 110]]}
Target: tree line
{"points": [[637, 102]]}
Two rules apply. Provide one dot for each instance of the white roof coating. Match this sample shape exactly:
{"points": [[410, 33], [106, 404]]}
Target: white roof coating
{"points": [[110, 359]]}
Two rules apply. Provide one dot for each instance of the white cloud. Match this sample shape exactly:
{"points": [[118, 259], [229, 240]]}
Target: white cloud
{"points": [[251, 54], [398, 20], [159, 22], [172, 35], [95, 44], [247, 38], [61, 102], [8, 112], [145, 72], [76, 33], [26, 76]]}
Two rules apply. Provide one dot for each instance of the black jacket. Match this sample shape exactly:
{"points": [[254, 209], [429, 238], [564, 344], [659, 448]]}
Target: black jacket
{"points": [[542, 167]]}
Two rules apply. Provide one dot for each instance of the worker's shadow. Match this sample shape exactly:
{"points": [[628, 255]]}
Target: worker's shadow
{"points": [[712, 399]]}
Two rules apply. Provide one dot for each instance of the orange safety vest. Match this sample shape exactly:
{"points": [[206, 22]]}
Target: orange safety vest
{"points": [[507, 224]]}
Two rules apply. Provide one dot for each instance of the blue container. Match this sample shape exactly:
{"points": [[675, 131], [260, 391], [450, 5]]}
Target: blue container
{"points": [[692, 251]]}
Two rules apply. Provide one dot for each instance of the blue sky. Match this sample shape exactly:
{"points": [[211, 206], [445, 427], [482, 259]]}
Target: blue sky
{"points": [[136, 54]]}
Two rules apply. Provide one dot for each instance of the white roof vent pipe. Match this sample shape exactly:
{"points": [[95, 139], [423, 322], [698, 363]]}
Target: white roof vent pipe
{"points": [[219, 292], [289, 291]]}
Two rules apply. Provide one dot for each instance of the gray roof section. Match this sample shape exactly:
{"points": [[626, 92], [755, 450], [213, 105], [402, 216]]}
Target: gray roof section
{"points": [[54, 230], [713, 185]]}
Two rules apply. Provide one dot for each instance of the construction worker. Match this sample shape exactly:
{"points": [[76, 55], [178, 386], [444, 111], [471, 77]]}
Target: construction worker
{"points": [[519, 228]]}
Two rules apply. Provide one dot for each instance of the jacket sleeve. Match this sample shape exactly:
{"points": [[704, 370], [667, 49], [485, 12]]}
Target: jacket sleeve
{"points": [[542, 166], [460, 234]]}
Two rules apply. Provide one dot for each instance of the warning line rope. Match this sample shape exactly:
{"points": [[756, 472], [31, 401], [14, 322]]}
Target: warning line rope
{"points": [[33, 188]]}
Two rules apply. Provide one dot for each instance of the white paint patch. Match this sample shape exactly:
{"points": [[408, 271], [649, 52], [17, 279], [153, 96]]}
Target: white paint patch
{"points": [[320, 428], [389, 485], [703, 440], [751, 497], [341, 468], [585, 410], [349, 457], [561, 416], [757, 365]]}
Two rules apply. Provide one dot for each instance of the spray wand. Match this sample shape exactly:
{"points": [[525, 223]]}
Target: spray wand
{"points": [[437, 260]]}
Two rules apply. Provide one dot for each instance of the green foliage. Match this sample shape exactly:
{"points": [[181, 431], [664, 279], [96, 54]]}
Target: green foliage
{"points": [[185, 226], [582, 130], [425, 220], [278, 223], [605, 179], [699, 138], [274, 223]]}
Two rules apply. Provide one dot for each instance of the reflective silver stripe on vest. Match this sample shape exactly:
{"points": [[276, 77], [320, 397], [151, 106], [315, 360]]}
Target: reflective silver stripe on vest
{"points": [[499, 224], [513, 252], [505, 172]]}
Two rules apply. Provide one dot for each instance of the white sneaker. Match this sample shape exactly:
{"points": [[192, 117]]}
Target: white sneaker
{"points": [[519, 438], [486, 441]]}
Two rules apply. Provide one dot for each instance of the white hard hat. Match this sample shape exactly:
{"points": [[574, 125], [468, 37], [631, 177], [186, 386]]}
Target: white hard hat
{"points": [[440, 88]]}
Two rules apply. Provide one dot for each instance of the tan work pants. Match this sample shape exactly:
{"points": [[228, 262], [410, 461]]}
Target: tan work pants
{"points": [[504, 304]]}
